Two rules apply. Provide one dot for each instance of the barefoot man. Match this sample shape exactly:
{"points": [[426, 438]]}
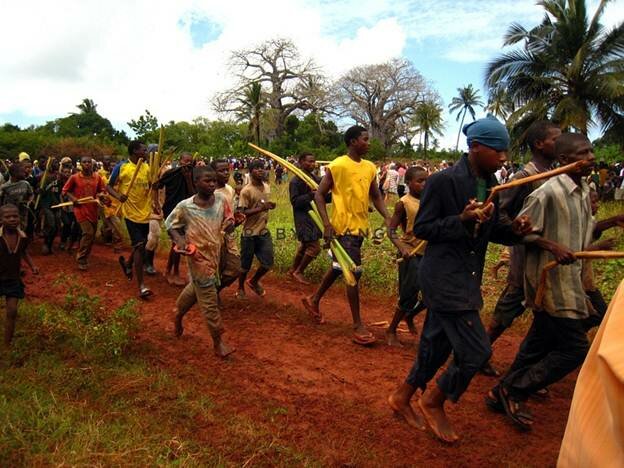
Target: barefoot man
{"points": [[458, 227]]}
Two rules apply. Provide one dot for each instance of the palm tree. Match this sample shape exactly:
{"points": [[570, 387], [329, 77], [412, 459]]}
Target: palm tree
{"points": [[251, 105], [428, 118], [567, 68], [467, 100], [499, 103], [87, 106]]}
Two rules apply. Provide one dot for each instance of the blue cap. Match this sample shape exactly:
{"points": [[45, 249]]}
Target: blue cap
{"points": [[489, 132]]}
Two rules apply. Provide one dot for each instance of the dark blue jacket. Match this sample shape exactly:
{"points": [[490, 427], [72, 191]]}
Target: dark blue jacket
{"points": [[452, 267]]}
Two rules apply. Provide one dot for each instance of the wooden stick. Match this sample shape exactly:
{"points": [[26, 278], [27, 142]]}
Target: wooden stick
{"points": [[620, 224], [81, 201], [572, 167], [594, 254], [414, 251], [134, 176], [43, 180]]}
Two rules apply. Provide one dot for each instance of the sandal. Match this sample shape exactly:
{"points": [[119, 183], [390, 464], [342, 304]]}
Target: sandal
{"points": [[145, 292], [364, 339], [127, 269], [314, 312], [493, 402], [259, 290], [515, 410]]}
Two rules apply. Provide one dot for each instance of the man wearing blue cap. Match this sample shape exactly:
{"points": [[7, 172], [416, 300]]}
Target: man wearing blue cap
{"points": [[458, 228]]}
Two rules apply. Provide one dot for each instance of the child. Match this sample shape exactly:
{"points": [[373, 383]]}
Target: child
{"points": [[411, 249], [84, 184], [12, 250], [136, 208], [17, 191], [308, 233], [458, 229], [230, 263], [196, 226], [352, 182], [256, 238], [556, 343]]}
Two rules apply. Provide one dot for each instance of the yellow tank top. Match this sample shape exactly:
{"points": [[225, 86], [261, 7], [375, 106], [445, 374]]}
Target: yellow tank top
{"points": [[350, 195], [411, 205]]}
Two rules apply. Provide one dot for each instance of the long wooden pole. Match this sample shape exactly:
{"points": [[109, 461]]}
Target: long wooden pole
{"points": [[590, 254], [134, 176], [43, 180]]}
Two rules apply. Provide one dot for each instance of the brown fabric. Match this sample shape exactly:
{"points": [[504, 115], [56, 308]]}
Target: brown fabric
{"points": [[86, 240], [251, 196], [594, 435], [229, 267], [206, 298], [310, 248]]}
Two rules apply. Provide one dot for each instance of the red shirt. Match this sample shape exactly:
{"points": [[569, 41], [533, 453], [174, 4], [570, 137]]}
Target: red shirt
{"points": [[81, 186]]}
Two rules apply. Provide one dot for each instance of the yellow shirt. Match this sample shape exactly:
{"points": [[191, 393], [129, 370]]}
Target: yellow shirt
{"points": [[411, 205], [138, 206], [350, 195]]}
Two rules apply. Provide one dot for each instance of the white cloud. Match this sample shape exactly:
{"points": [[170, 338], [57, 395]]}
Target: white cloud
{"points": [[132, 55]]}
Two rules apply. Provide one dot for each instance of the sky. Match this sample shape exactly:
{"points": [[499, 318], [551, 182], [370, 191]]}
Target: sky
{"points": [[171, 56]]}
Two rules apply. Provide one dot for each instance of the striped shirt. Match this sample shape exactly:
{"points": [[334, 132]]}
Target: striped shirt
{"points": [[559, 211]]}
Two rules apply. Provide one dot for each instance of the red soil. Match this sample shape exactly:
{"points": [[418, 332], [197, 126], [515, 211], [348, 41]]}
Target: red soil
{"points": [[334, 392]]}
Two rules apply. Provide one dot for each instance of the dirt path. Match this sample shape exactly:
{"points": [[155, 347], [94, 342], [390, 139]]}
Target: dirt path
{"points": [[332, 392]]}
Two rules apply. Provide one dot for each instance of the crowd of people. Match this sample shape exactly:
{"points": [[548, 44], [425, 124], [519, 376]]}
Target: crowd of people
{"points": [[441, 222]]}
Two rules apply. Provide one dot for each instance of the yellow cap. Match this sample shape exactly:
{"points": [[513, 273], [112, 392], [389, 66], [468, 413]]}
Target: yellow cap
{"points": [[23, 156]]}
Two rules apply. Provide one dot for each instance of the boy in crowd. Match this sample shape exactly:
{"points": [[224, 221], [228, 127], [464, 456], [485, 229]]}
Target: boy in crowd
{"points": [[136, 209], [352, 183], [308, 233], [70, 229], [50, 196], [540, 137], [229, 263], [196, 226], [458, 228], [84, 184], [178, 185], [411, 249], [556, 343], [17, 191], [111, 225], [13, 243], [256, 238]]}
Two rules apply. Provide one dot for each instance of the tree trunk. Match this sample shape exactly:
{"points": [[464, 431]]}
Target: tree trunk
{"points": [[426, 143], [460, 128]]}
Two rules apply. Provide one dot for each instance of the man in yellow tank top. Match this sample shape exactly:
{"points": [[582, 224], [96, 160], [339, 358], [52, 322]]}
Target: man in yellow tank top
{"points": [[411, 250], [352, 183]]}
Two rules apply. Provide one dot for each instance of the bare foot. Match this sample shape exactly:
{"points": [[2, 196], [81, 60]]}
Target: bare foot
{"points": [[222, 350], [179, 329], [392, 339], [313, 309], [405, 410], [299, 278], [437, 421]]}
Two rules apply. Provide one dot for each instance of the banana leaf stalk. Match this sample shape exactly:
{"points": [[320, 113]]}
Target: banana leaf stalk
{"points": [[343, 259], [43, 181], [337, 248]]}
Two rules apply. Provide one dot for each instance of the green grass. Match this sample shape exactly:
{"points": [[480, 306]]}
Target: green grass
{"points": [[75, 390]]}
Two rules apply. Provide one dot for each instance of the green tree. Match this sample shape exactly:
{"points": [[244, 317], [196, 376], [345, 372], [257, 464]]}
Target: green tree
{"points": [[568, 68], [145, 127], [499, 103], [467, 100], [428, 119], [252, 103]]}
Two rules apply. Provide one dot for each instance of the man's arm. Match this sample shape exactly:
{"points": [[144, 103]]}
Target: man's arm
{"points": [[327, 182], [300, 198], [68, 188], [250, 211], [431, 224], [378, 201], [397, 219], [608, 223]]}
